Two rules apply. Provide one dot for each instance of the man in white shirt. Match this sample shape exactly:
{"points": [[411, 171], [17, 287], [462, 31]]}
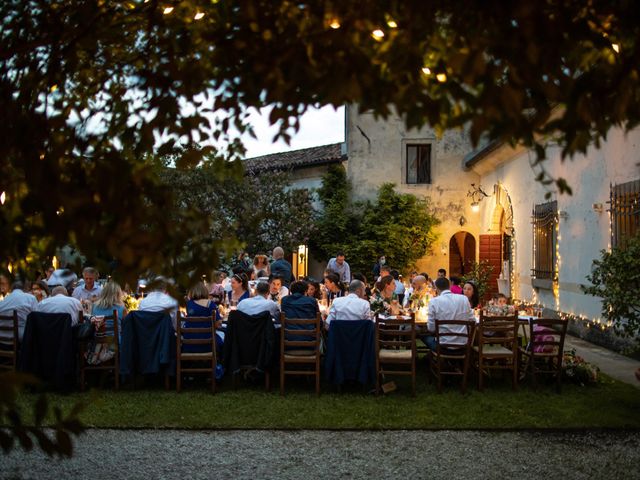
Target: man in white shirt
{"points": [[23, 303], [447, 306], [351, 307], [260, 303], [91, 289], [59, 302], [159, 301], [341, 267]]}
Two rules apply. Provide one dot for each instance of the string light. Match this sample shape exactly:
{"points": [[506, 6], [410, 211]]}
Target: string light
{"points": [[426, 70], [441, 77], [167, 10], [53, 88], [3, 197], [556, 273], [377, 34], [616, 47], [198, 16], [391, 23], [334, 23]]}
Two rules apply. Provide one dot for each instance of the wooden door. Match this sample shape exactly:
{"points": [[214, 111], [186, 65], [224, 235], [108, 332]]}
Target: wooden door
{"points": [[491, 252]]}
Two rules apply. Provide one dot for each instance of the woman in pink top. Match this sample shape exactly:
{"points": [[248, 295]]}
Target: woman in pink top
{"points": [[455, 285]]}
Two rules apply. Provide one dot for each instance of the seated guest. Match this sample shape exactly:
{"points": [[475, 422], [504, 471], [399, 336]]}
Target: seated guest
{"points": [[447, 306], [455, 285], [384, 271], [471, 292], [260, 303], [333, 286], [313, 289], [297, 304], [199, 305], [158, 300], [5, 285], [40, 290], [383, 296], [239, 288], [90, 290], [501, 300], [277, 291], [24, 303], [363, 279], [261, 264], [351, 307], [111, 298], [420, 291], [60, 302]]}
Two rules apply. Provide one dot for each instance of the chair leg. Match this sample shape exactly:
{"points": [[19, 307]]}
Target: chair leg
{"points": [[267, 381], [514, 373], [413, 377], [167, 382], [318, 378], [480, 375], [282, 379]]}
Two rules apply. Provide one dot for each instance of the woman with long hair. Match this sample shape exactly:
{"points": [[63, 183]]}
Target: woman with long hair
{"points": [[199, 305], [109, 299], [239, 288], [470, 290]]}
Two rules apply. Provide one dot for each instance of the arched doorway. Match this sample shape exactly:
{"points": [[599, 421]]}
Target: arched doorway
{"points": [[462, 253]]}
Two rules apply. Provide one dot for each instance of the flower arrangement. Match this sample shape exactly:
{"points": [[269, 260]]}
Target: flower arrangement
{"points": [[378, 304], [418, 300], [131, 303], [577, 370]]}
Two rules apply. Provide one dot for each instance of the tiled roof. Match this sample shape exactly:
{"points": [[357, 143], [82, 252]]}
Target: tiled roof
{"points": [[305, 157]]}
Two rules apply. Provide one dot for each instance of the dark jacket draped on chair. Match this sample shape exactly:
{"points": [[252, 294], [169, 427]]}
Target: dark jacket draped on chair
{"points": [[351, 352], [148, 343], [250, 341]]}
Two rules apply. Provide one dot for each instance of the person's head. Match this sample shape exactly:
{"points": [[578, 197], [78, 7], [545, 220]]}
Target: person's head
{"points": [[198, 292], [262, 274], [357, 287], [413, 275], [455, 281], [40, 290], [158, 284], [5, 284], [442, 284], [239, 282], [260, 261], [418, 282], [277, 253], [110, 295], [262, 289], [59, 290], [384, 271], [382, 260], [90, 275], [442, 273], [299, 286], [313, 289], [502, 300], [49, 272], [395, 274], [244, 256], [386, 286], [340, 258], [275, 283], [471, 292], [332, 282], [17, 285]]}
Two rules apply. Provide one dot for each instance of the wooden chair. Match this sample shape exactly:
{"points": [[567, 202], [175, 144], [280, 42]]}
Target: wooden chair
{"points": [[497, 346], [9, 352], [108, 339], [300, 347], [205, 362], [454, 339], [395, 348], [543, 354]]}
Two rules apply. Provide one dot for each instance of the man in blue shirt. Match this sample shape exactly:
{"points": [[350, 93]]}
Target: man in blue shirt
{"points": [[341, 267], [280, 267], [297, 305]]}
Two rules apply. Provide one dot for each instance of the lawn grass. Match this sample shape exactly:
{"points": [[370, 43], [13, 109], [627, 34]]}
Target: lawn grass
{"points": [[609, 404]]}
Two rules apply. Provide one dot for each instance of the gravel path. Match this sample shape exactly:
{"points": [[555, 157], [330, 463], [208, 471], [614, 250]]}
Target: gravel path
{"points": [[171, 454]]}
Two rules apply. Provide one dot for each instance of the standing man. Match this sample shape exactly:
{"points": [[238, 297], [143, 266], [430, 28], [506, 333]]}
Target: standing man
{"points": [[280, 267], [442, 273], [376, 268], [90, 290], [341, 267]]}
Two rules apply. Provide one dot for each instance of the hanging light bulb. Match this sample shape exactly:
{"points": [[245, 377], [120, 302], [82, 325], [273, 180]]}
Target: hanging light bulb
{"points": [[377, 34], [334, 23], [198, 16], [426, 70], [167, 10], [3, 197]]}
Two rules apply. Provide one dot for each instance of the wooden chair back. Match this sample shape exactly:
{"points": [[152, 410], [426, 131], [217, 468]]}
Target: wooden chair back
{"points": [[454, 339], [9, 350], [300, 347], [197, 362], [108, 338], [395, 342], [497, 346], [546, 348]]}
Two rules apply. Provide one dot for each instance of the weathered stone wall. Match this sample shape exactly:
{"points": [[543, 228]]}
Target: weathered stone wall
{"points": [[376, 151]]}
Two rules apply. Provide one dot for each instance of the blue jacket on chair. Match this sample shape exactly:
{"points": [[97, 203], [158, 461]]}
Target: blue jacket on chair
{"points": [[148, 343], [351, 352]]}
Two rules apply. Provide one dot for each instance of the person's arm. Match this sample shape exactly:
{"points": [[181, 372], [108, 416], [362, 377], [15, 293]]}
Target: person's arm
{"points": [[431, 320], [332, 314], [347, 272]]}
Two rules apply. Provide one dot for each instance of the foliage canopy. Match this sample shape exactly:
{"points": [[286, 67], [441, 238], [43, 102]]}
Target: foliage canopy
{"points": [[399, 226], [615, 278], [91, 90]]}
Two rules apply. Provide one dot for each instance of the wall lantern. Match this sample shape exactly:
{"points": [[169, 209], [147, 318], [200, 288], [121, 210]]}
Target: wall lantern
{"points": [[477, 195]]}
